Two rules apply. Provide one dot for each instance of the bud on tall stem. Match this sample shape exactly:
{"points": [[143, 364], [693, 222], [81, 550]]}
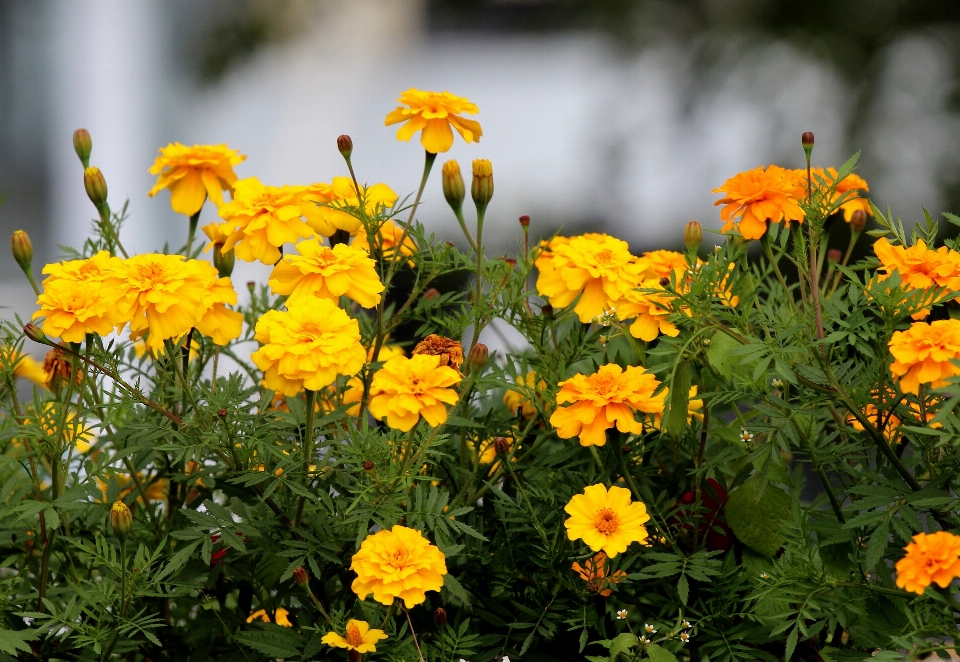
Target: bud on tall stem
{"points": [[83, 145], [858, 221], [481, 190], [121, 519], [345, 146], [96, 186], [22, 249], [692, 236], [453, 188]]}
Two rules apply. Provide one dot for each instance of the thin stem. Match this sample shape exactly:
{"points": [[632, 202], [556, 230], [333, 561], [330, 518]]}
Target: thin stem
{"points": [[192, 230], [407, 612], [316, 603], [481, 212], [307, 451], [466, 231], [765, 243]]}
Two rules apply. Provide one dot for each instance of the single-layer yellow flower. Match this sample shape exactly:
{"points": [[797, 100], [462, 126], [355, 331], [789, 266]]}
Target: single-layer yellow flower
{"points": [[405, 389], [521, 399], [397, 563], [359, 637], [758, 196], [194, 173], [924, 354], [328, 211], [329, 273], [307, 346], [385, 243], [434, 113], [931, 558], [611, 396], [606, 520]]}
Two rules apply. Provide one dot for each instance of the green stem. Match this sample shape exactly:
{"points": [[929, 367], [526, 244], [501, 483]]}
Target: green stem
{"points": [[417, 643], [307, 451], [466, 231], [192, 230]]}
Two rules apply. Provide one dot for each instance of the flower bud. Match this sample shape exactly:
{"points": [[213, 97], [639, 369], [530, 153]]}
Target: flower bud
{"points": [[525, 221], [22, 249], [367, 465], [664, 282], [477, 359], [345, 145], [546, 310], [440, 616], [83, 145], [33, 332], [96, 185], [251, 286], [223, 261], [481, 190], [807, 139], [858, 221], [834, 255], [693, 235], [453, 189], [121, 519], [510, 261], [432, 293], [501, 445], [301, 577]]}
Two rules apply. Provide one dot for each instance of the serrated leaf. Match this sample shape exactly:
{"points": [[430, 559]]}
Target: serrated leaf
{"points": [[456, 590], [660, 654], [675, 420], [756, 519], [13, 640], [683, 589], [273, 640], [177, 561], [622, 643]]}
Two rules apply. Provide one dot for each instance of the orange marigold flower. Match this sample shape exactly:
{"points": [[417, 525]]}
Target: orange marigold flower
{"points": [[594, 572], [611, 396], [524, 398], [194, 173], [434, 113], [397, 563], [924, 354], [920, 268], [359, 637], [606, 519], [320, 271], [385, 243], [307, 346], [327, 213], [280, 617], [660, 264], [759, 195], [449, 351], [849, 187], [405, 389], [597, 268], [648, 310], [931, 558]]}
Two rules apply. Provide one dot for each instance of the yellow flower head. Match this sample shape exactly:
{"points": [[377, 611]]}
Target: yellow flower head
{"points": [[648, 311], [851, 186], [595, 267], [594, 572], [405, 389], [924, 354], [261, 218], [23, 365], [217, 233], [759, 195], [920, 268], [326, 213], [933, 557], [280, 617], [399, 563], [352, 392], [307, 346], [607, 397], [388, 236], [660, 264], [359, 637], [329, 273], [155, 491], [694, 409], [521, 399], [434, 113], [606, 520], [194, 173]]}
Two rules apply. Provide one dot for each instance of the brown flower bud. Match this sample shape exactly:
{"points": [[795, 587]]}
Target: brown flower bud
{"points": [[345, 145], [22, 249], [664, 282], [502, 445], [478, 356], [83, 145], [546, 310], [440, 616], [511, 261], [858, 221], [453, 189], [222, 413], [834, 255], [693, 235], [33, 332], [224, 262], [301, 577], [96, 186], [58, 369], [481, 190], [121, 519], [251, 286], [432, 293], [367, 465], [525, 221], [806, 139], [625, 449]]}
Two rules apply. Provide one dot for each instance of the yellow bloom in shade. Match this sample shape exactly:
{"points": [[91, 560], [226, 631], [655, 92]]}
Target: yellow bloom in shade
{"points": [[155, 491], [434, 113], [924, 354], [405, 389], [261, 219], [606, 520], [359, 637], [327, 212], [694, 409], [194, 173], [931, 558], [648, 311], [851, 185], [397, 563], [307, 346], [759, 195], [611, 396], [22, 365], [597, 268], [594, 572], [280, 617], [520, 399], [660, 264], [388, 236], [320, 271]]}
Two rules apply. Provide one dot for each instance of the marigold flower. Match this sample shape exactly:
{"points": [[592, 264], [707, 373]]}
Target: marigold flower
{"points": [[606, 519], [405, 389], [326, 212], [194, 173], [648, 311], [359, 637], [694, 409], [520, 399], [20, 364], [848, 186], [931, 558], [280, 617], [261, 219], [449, 351], [660, 264], [594, 572], [56, 420], [434, 113], [397, 563], [920, 268], [329, 273], [307, 346], [759, 195], [607, 397], [388, 236], [595, 267], [924, 354]]}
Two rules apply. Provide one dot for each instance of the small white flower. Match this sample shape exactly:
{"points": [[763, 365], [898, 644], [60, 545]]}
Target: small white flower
{"points": [[777, 382], [717, 248], [644, 640], [621, 614], [764, 575], [685, 625], [745, 436], [505, 659], [649, 628], [606, 318], [684, 637]]}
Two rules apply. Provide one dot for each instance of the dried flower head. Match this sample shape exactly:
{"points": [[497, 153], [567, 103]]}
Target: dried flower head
{"points": [[450, 351]]}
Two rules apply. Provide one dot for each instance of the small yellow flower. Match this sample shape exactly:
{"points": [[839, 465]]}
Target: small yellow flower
{"points": [[520, 399], [281, 617], [434, 113], [930, 558], [397, 563], [405, 389], [327, 211], [759, 195], [925, 354], [329, 273], [194, 173], [606, 519], [359, 637]]}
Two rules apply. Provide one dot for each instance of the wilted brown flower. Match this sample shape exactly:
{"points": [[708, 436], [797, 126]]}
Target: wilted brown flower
{"points": [[449, 351], [57, 368]]}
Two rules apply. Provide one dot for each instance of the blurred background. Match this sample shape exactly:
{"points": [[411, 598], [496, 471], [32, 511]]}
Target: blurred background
{"points": [[602, 115]]}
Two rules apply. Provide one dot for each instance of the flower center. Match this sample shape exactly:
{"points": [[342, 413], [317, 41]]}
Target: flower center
{"points": [[309, 331], [89, 270], [151, 273], [399, 558], [606, 521], [605, 256], [354, 638]]}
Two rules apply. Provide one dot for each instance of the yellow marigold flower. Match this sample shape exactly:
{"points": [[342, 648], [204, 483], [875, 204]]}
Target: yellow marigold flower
{"points": [[194, 173], [660, 264], [694, 409], [22, 365], [261, 219], [74, 429], [520, 399], [329, 273], [405, 389], [595, 267], [759, 195], [155, 491], [606, 520], [217, 233], [352, 392], [924, 354], [920, 268], [326, 214], [399, 563], [434, 113], [359, 637], [307, 346], [607, 397], [594, 572], [648, 311], [449, 351], [280, 617], [388, 236], [931, 558]]}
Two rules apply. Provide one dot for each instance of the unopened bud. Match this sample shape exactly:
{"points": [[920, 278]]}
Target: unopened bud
{"points": [[367, 465], [83, 145], [96, 185], [301, 577], [121, 519], [440, 616], [546, 310], [345, 145], [693, 235], [224, 262], [33, 332], [858, 221], [807, 139], [478, 356], [625, 449], [664, 281], [251, 286], [432, 293], [222, 413], [525, 221], [511, 261], [453, 189], [501, 445], [22, 249], [834, 255], [481, 190]]}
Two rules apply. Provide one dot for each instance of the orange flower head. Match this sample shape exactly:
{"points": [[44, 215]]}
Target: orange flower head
{"points": [[397, 563], [358, 637], [758, 196], [648, 310], [611, 396], [924, 354], [660, 264], [320, 271], [848, 188], [434, 113], [594, 572], [920, 268], [280, 617], [930, 558], [449, 351], [328, 204], [526, 397], [606, 520], [405, 389], [386, 241], [194, 173]]}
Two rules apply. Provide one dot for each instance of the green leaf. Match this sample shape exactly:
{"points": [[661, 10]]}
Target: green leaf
{"points": [[683, 589], [272, 640], [456, 590], [675, 420], [622, 643], [720, 354], [756, 519], [13, 640], [660, 654]]}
